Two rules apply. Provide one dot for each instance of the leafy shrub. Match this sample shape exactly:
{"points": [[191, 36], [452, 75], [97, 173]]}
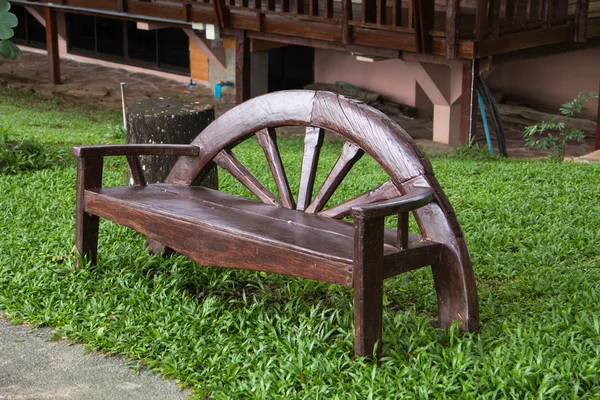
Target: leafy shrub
{"points": [[25, 155], [552, 135]]}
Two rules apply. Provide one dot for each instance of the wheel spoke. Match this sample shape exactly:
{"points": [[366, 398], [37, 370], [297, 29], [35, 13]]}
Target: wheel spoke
{"points": [[267, 139], [227, 160], [351, 153], [385, 191], [313, 141]]}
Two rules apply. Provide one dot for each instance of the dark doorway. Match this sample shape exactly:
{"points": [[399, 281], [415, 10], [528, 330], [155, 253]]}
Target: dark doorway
{"points": [[291, 67]]}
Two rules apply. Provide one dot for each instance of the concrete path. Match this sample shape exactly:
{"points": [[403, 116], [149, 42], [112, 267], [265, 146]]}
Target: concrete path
{"points": [[34, 367]]}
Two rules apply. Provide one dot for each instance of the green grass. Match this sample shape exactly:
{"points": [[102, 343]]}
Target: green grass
{"points": [[533, 230]]}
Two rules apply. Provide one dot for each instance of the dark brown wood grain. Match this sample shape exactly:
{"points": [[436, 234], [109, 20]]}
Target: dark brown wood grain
{"points": [[217, 229], [104, 150], [351, 153], [89, 175], [368, 286], [136, 170], [313, 141], [382, 192], [227, 160], [267, 139]]}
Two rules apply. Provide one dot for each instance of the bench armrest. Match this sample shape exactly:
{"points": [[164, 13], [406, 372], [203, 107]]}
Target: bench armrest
{"points": [[415, 199], [136, 150]]}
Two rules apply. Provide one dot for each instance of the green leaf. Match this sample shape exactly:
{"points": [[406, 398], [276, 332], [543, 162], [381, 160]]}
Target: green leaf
{"points": [[4, 5], [6, 32], [9, 50], [8, 19]]}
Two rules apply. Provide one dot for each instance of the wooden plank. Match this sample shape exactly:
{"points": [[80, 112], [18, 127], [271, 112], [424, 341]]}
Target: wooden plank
{"points": [[52, 45], [227, 160], [305, 29], [390, 40], [103, 150], [381, 12], [351, 153], [417, 254], [481, 18], [397, 13], [328, 8], [385, 191], [267, 139], [313, 7], [242, 67], [89, 175], [368, 286], [213, 235], [525, 40], [313, 141], [451, 29], [581, 18], [424, 17]]}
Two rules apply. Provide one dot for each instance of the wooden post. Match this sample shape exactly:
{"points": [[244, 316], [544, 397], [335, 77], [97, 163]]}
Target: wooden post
{"points": [[52, 45], [451, 29], [242, 66], [368, 285], [468, 113], [581, 18], [89, 175]]}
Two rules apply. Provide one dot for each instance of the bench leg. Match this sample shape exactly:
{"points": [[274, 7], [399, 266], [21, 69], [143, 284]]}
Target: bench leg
{"points": [[89, 175], [368, 285]]}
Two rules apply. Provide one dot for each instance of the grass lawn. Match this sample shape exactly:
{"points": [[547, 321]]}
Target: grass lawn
{"points": [[533, 230]]}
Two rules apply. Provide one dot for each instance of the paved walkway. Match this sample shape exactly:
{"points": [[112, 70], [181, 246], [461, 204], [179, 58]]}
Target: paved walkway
{"points": [[32, 366]]}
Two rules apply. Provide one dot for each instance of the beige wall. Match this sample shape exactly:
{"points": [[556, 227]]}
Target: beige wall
{"points": [[550, 81], [388, 77]]}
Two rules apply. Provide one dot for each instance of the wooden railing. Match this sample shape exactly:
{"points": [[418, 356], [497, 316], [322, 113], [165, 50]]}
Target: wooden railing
{"points": [[463, 28]]}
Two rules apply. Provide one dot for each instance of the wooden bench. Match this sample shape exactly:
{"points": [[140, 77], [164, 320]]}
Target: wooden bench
{"points": [[291, 235]]}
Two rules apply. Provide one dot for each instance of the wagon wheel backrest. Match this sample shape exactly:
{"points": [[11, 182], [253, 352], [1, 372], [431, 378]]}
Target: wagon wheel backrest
{"points": [[365, 130]]}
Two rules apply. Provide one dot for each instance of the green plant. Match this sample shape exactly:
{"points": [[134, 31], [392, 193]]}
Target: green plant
{"points": [[8, 21], [553, 135], [24, 155]]}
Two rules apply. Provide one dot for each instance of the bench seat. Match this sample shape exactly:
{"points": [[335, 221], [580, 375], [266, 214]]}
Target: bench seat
{"points": [[217, 229]]}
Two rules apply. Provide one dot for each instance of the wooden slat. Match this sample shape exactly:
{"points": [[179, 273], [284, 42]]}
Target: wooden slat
{"points": [[424, 17], [495, 18], [402, 231], [89, 175], [136, 170], [313, 7], [351, 153], [299, 4], [581, 18], [267, 139], [481, 16], [381, 12], [313, 141], [328, 8], [369, 11], [104, 150], [548, 12], [397, 13], [385, 191], [451, 29], [418, 254], [227, 160]]}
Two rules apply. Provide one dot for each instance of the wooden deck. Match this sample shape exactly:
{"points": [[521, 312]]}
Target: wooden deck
{"points": [[467, 29]]}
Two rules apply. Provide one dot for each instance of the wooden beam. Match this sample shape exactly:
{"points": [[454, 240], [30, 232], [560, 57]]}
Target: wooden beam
{"points": [[214, 55], [581, 18], [242, 67], [52, 45], [451, 29]]}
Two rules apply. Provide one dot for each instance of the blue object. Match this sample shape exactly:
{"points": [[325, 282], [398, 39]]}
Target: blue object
{"points": [[485, 124], [218, 87]]}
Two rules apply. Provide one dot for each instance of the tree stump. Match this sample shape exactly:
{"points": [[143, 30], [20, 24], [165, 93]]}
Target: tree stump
{"points": [[168, 121]]}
